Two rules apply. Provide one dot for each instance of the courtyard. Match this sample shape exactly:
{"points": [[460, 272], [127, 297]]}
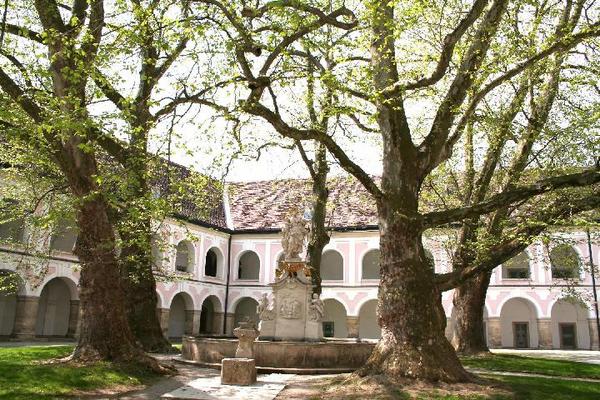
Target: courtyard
{"points": [[35, 372]]}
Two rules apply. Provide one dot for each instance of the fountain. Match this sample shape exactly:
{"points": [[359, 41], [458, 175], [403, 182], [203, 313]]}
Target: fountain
{"points": [[290, 327]]}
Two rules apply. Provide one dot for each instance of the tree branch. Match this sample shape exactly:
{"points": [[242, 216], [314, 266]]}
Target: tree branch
{"points": [[504, 199], [450, 42], [518, 239]]}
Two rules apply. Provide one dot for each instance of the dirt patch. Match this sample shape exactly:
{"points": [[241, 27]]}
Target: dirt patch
{"points": [[349, 387]]}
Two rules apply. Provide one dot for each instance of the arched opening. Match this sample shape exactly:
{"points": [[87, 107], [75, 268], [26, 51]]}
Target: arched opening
{"points": [[334, 320], [564, 262], [332, 266], [518, 324], [249, 266], [181, 314], [213, 262], [12, 230], [570, 328], [370, 264], [10, 283], [368, 326], [209, 321], [184, 259], [64, 236], [517, 267], [245, 310], [54, 310]]}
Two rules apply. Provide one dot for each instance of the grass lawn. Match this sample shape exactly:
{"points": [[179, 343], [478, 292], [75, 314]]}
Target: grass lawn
{"points": [[24, 375], [512, 363]]}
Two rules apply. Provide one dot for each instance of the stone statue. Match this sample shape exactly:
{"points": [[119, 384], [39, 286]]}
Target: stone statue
{"points": [[246, 333], [317, 308], [263, 311], [294, 233]]}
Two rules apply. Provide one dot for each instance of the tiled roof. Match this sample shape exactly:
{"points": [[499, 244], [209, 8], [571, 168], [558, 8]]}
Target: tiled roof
{"points": [[263, 205]]}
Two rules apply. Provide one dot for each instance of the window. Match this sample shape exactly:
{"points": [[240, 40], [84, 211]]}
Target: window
{"points": [[11, 228], [184, 257], [564, 262], [332, 266], [249, 266], [328, 329], [370, 265], [64, 236], [210, 265], [517, 267]]}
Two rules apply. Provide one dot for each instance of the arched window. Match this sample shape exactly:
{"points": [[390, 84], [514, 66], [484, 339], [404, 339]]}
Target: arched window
{"points": [[212, 262], [185, 256], [11, 228], [517, 267], [370, 264], [564, 261], [332, 266], [429, 258], [64, 236], [249, 266]]}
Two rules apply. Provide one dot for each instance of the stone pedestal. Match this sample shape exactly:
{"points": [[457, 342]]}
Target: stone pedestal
{"points": [[246, 335], [238, 371], [26, 317], [352, 324], [295, 314]]}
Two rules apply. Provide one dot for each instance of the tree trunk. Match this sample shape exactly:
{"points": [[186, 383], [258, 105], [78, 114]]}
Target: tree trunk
{"points": [[468, 334], [410, 310], [140, 289], [104, 331], [318, 231]]}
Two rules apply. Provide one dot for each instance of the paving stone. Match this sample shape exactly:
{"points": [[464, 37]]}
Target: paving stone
{"points": [[267, 387]]}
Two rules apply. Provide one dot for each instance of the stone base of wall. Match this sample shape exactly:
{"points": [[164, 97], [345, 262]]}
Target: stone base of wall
{"points": [[339, 355]]}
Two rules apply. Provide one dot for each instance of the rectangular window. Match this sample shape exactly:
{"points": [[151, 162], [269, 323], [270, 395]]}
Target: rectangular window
{"points": [[328, 329]]}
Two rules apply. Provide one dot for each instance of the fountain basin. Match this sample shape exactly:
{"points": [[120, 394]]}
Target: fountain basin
{"points": [[328, 356]]}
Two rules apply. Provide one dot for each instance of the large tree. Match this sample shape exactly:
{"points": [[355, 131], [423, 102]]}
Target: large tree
{"points": [[51, 90], [535, 95], [408, 61]]}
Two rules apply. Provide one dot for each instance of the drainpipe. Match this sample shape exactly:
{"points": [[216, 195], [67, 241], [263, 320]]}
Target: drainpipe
{"points": [[593, 272], [227, 284]]}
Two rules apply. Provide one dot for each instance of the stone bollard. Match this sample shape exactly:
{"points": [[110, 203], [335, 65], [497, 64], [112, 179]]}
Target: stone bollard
{"points": [[241, 370]]}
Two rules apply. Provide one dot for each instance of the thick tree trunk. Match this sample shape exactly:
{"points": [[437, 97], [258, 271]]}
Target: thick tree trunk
{"points": [[410, 310], [140, 290], [468, 335], [104, 332]]}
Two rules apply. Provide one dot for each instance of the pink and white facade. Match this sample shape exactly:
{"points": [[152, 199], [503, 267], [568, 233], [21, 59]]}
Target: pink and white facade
{"points": [[226, 270]]}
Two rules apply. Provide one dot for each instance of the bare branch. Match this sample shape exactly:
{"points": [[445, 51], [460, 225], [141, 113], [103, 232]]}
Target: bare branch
{"points": [[514, 195]]}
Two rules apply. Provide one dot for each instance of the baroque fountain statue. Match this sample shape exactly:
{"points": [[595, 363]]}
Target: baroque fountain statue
{"points": [[294, 313]]}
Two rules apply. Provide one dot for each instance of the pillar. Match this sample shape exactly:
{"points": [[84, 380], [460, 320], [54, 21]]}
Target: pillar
{"points": [[352, 325], [593, 334], [163, 318], [229, 322], [217, 323], [73, 330], [494, 333], [192, 322], [544, 333], [26, 317]]}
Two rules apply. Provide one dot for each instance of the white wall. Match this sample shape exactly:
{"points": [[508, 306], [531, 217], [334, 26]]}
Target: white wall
{"points": [[54, 309], [565, 312]]}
